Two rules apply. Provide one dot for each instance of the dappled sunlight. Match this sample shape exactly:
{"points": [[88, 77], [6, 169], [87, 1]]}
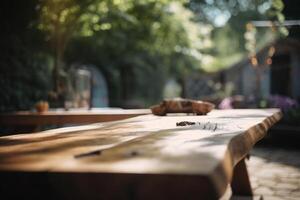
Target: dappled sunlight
{"points": [[149, 99], [135, 45]]}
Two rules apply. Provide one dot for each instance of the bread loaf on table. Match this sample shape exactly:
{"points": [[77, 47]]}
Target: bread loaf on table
{"points": [[182, 106]]}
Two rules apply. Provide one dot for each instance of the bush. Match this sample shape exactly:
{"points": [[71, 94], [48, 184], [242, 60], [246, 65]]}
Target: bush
{"points": [[24, 77]]}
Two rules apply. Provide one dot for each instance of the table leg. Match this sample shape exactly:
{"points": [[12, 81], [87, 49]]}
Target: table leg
{"points": [[240, 184]]}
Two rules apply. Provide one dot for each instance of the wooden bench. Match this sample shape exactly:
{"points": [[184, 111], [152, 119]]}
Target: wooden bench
{"points": [[31, 121], [145, 157]]}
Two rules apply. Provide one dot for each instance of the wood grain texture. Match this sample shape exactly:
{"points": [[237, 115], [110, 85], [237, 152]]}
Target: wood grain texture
{"points": [[60, 117], [145, 157]]}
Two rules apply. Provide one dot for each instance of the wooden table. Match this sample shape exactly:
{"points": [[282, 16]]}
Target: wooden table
{"points": [[145, 157], [31, 121]]}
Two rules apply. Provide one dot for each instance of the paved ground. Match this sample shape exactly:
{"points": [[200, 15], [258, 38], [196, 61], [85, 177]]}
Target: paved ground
{"points": [[275, 173], [274, 169]]}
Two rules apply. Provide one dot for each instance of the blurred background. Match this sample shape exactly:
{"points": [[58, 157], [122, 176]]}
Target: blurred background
{"points": [[134, 53]]}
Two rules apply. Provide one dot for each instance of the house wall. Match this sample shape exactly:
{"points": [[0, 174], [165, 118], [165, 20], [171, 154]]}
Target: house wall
{"points": [[243, 79], [247, 81], [234, 77], [265, 82]]}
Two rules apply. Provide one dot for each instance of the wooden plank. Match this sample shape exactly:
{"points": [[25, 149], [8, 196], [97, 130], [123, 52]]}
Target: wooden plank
{"points": [[145, 157], [60, 117]]}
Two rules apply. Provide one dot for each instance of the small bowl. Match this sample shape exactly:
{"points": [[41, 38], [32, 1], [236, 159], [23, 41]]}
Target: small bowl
{"points": [[42, 106]]}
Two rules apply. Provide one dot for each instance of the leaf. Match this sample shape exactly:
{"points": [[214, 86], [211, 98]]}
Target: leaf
{"points": [[278, 5]]}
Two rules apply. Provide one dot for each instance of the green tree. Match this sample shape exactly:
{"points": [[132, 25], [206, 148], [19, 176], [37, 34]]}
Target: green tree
{"points": [[60, 20], [229, 19], [136, 40], [24, 63]]}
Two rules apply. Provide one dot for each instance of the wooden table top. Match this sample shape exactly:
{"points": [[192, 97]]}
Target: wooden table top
{"points": [[73, 116], [144, 152]]}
